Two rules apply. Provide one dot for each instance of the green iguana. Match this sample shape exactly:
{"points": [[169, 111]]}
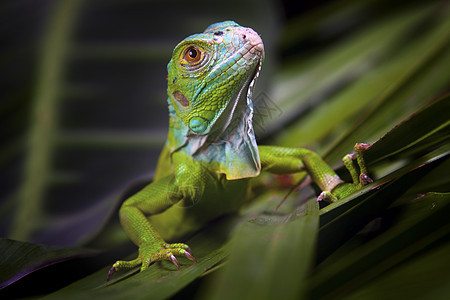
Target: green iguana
{"points": [[211, 152]]}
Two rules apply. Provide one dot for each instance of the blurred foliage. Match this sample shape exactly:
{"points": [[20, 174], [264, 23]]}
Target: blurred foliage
{"points": [[83, 118]]}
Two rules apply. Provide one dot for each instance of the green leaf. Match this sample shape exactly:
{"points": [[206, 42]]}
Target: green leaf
{"points": [[393, 74], [418, 225], [19, 259], [426, 128], [44, 120], [411, 135], [271, 257], [423, 78], [345, 218], [425, 277], [161, 280]]}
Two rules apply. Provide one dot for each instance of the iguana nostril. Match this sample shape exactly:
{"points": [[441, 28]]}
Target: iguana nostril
{"points": [[252, 38]]}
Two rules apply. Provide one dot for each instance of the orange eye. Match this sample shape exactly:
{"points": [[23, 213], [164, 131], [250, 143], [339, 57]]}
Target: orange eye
{"points": [[192, 54]]}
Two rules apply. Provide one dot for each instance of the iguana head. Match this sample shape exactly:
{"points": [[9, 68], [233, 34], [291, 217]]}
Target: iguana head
{"points": [[210, 83], [209, 72]]}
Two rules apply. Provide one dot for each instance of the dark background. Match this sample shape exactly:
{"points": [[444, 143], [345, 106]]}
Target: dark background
{"points": [[107, 98], [83, 112]]}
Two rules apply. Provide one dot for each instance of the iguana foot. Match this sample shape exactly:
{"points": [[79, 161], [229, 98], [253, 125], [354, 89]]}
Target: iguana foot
{"points": [[148, 255], [359, 180]]}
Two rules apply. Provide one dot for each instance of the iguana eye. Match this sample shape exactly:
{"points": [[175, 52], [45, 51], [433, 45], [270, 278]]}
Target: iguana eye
{"points": [[192, 54]]}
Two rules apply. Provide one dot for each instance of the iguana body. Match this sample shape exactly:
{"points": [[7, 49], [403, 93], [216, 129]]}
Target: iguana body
{"points": [[211, 151]]}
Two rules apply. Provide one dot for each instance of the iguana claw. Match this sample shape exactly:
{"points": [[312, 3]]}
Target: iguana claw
{"points": [[174, 261], [364, 179], [110, 273], [188, 255]]}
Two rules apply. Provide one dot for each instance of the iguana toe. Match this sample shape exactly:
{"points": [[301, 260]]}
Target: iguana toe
{"points": [[123, 265], [174, 260], [110, 273]]}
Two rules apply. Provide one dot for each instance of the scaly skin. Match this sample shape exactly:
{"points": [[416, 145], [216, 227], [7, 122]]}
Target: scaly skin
{"points": [[211, 151]]}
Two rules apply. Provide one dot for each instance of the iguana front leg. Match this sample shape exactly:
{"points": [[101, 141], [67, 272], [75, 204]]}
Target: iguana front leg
{"points": [[153, 199], [282, 160]]}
